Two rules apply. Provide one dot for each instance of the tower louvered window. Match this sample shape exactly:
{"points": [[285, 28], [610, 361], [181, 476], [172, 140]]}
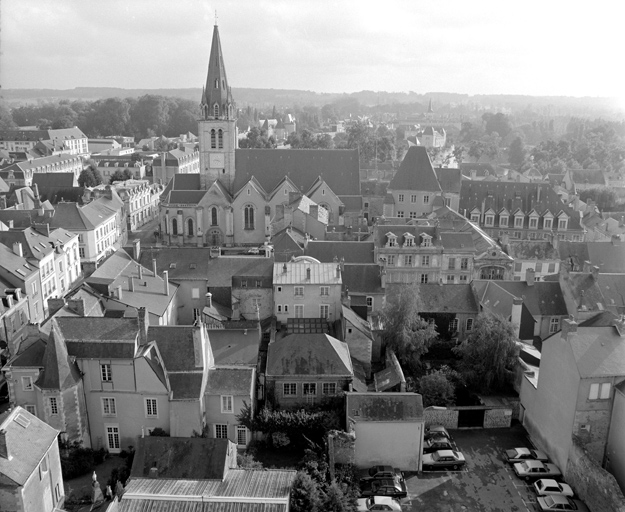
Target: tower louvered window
{"points": [[220, 139], [213, 139], [216, 110]]}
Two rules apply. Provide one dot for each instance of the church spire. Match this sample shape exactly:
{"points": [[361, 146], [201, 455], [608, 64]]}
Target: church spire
{"points": [[217, 100]]}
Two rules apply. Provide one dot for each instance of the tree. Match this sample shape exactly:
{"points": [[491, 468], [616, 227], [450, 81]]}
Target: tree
{"points": [[120, 175], [489, 353], [437, 389], [336, 500], [497, 123], [405, 331], [89, 177], [6, 118], [517, 153], [305, 494]]}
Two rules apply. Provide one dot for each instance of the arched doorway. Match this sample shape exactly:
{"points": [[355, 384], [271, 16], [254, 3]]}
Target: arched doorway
{"points": [[493, 273]]}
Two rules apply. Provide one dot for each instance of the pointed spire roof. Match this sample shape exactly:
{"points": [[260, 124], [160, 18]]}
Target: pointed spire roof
{"points": [[216, 91], [59, 372], [430, 110]]}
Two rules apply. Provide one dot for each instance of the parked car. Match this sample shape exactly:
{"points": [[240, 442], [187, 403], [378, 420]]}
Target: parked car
{"points": [[521, 454], [433, 444], [436, 431], [561, 503], [443, 459], [547, 486], [377, 503], [4, 390], [392, 487], [532, 469], [383, 472]]}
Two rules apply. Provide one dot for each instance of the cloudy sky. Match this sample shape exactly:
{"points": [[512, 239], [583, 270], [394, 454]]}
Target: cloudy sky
{"points": [[546, 47]]}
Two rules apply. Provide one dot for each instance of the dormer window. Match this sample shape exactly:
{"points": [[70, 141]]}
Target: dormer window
{"points": [[547, 223], [503, 221], [533, 222], [489, 220], [408, 240], [475, 217], [426, 240], [391, 239], [518, 221], [563, 223]]}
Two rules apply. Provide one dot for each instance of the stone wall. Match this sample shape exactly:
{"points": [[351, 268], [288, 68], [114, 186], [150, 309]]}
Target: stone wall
{"points": [[595, 486], [448, 418], [497, 418], [341, 447]]}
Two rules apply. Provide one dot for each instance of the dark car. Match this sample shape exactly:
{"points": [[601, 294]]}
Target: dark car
{"points": [[393, 487], [4, 392], [438, 443], [383, 472], [436, 431]]}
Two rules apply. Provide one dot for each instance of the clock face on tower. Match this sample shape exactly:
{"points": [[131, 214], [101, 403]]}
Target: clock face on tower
{"points": [[216, 160]]}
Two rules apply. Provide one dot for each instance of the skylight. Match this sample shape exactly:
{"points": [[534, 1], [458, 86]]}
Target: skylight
{"points": [[20, 272], [22, 420]]}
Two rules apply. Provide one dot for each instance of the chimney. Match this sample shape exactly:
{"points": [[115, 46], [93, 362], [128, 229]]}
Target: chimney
{"points": [[383, 277], [119, 292], [209, 300], [342, 264], [136, 248], [284, 268], [153, 473], [517, 307], [569, 326], [17, 249], [530, 275], [595, 272], [338, 271], [308, 274], [54, 305], [131, 284], [140, 271], [77, 306], [166, 282], [36, 191], [18, 294], [144, 323], [4, 449], [154, 267], [587, 269], [619, 323], [616, 240]]}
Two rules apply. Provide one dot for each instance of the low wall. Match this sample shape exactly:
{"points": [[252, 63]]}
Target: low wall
{"points": [[497, 418], [494, 417], [594, 485], [448, 418]]}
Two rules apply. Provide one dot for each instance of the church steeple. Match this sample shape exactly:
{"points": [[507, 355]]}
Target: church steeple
{"points": [[217, 100]]}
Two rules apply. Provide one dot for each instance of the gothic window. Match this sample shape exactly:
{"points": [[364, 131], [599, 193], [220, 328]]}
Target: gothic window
{"points": [[229, 111], [249, 217], [216, 110], [216, 84], [190, 227], [213, 140], [220, 138], [174, 227], [213, 216]]}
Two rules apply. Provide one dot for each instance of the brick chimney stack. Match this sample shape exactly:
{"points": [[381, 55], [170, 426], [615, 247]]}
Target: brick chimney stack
{"points": [[569, 327], [144, 323]]}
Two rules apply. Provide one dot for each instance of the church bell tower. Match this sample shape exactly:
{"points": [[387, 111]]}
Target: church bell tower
{"points": [[217, 127]]}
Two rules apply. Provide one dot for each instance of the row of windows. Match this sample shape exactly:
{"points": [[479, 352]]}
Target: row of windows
{"points": [[109, 407], [409, 240], [217, 136], [258, 282], [324, 310], [410, 260], [298, 291], [249, 221], [413, 198], [308, 388], [551, 267], [519, 221]]}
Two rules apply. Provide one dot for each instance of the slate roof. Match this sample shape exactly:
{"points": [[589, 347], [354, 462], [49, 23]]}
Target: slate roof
{"points": [[603, 319], [59, 371], [447, 298], [309, 354], [574, 254], [598, 352], [57, 195], [384, 407], [190, 262], [287, 243], [415, 172], [513, 196], [457, 241], [399, 230], [450, 180], [185, 386], [230, 381], [30, 357], [339, 168], [387, 378], [72, 216], [359, 323], [28, 439], [532, 250], [34, 245], [612, 288], [543, 298], [362, 278], [99, 338], [181, 458], [235, 346], [45, 180], [350, 252], [16, 265], [177, 346], [608, 257], [352, 203]]}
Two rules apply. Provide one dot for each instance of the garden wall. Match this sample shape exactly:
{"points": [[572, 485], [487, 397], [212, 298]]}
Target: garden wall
{"points": [[594, 485]]}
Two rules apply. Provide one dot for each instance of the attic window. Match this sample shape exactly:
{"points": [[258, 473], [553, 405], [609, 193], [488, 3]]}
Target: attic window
{"points": [[22, 421], [192, 265], [172, 265]]}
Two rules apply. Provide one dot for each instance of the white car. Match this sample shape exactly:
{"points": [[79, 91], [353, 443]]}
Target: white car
{"points": [[546, 486], [377, 503]]}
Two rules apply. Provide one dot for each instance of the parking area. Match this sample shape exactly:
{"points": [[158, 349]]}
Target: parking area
{"points": [[486, 484]]}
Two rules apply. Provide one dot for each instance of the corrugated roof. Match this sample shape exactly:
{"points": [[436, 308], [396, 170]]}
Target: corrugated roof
{"points": [[415, 172], [309, 354], [296, 273], [28, 439]]}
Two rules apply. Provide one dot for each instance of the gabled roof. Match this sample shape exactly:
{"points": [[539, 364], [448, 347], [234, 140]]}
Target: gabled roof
{"points": [[447, 298], [178, 346], [287, 243], [309, 354], [45, 180], [99, 338], [34, 245], [72, 216], [450, 180], [359, 323], [30, 357], [235, 346], [230, 381], [339, 168], [543, 298], [16, 265], [352, 203], [400, 231], [27, 439], [415, 172], [350, 252], [588, 177], [362, 279], [598, 351], [384, 407]]}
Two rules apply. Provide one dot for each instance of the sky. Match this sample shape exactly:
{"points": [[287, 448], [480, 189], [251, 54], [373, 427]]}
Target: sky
{"points": [[547, 47]]}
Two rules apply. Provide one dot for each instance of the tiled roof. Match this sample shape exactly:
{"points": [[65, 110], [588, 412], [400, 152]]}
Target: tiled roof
{"points": [[296, 273], [30, 357], [230, 381], [447, 298], [384, 407], [415, 172], [309, 354], [532, 250], [28, 439], [351, 252], [338, 168], [452, 240], [450, 180], [598, 352], [178, 346], [235, 346], [543, 298], [181, 458], [362, 278]]}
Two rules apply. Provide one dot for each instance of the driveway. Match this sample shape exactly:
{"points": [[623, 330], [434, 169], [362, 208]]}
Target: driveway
{"points": [[487, 484]]}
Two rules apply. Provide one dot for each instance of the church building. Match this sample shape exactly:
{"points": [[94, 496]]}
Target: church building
{"points": [[235, 196]]}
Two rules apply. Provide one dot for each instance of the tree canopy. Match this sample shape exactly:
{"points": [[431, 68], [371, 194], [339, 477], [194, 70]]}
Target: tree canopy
{"points": [[488, 353], [89, 177], [437, 389]]}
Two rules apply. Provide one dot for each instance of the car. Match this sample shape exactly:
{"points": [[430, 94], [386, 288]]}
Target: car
{"points": [[547, 486], [436, 431], [383, 472], [253, 250], [392, 487], [433, 444], [560, 503], [521, 454], [532, 469], [443, 459], [377, 503], [4, 390]]}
